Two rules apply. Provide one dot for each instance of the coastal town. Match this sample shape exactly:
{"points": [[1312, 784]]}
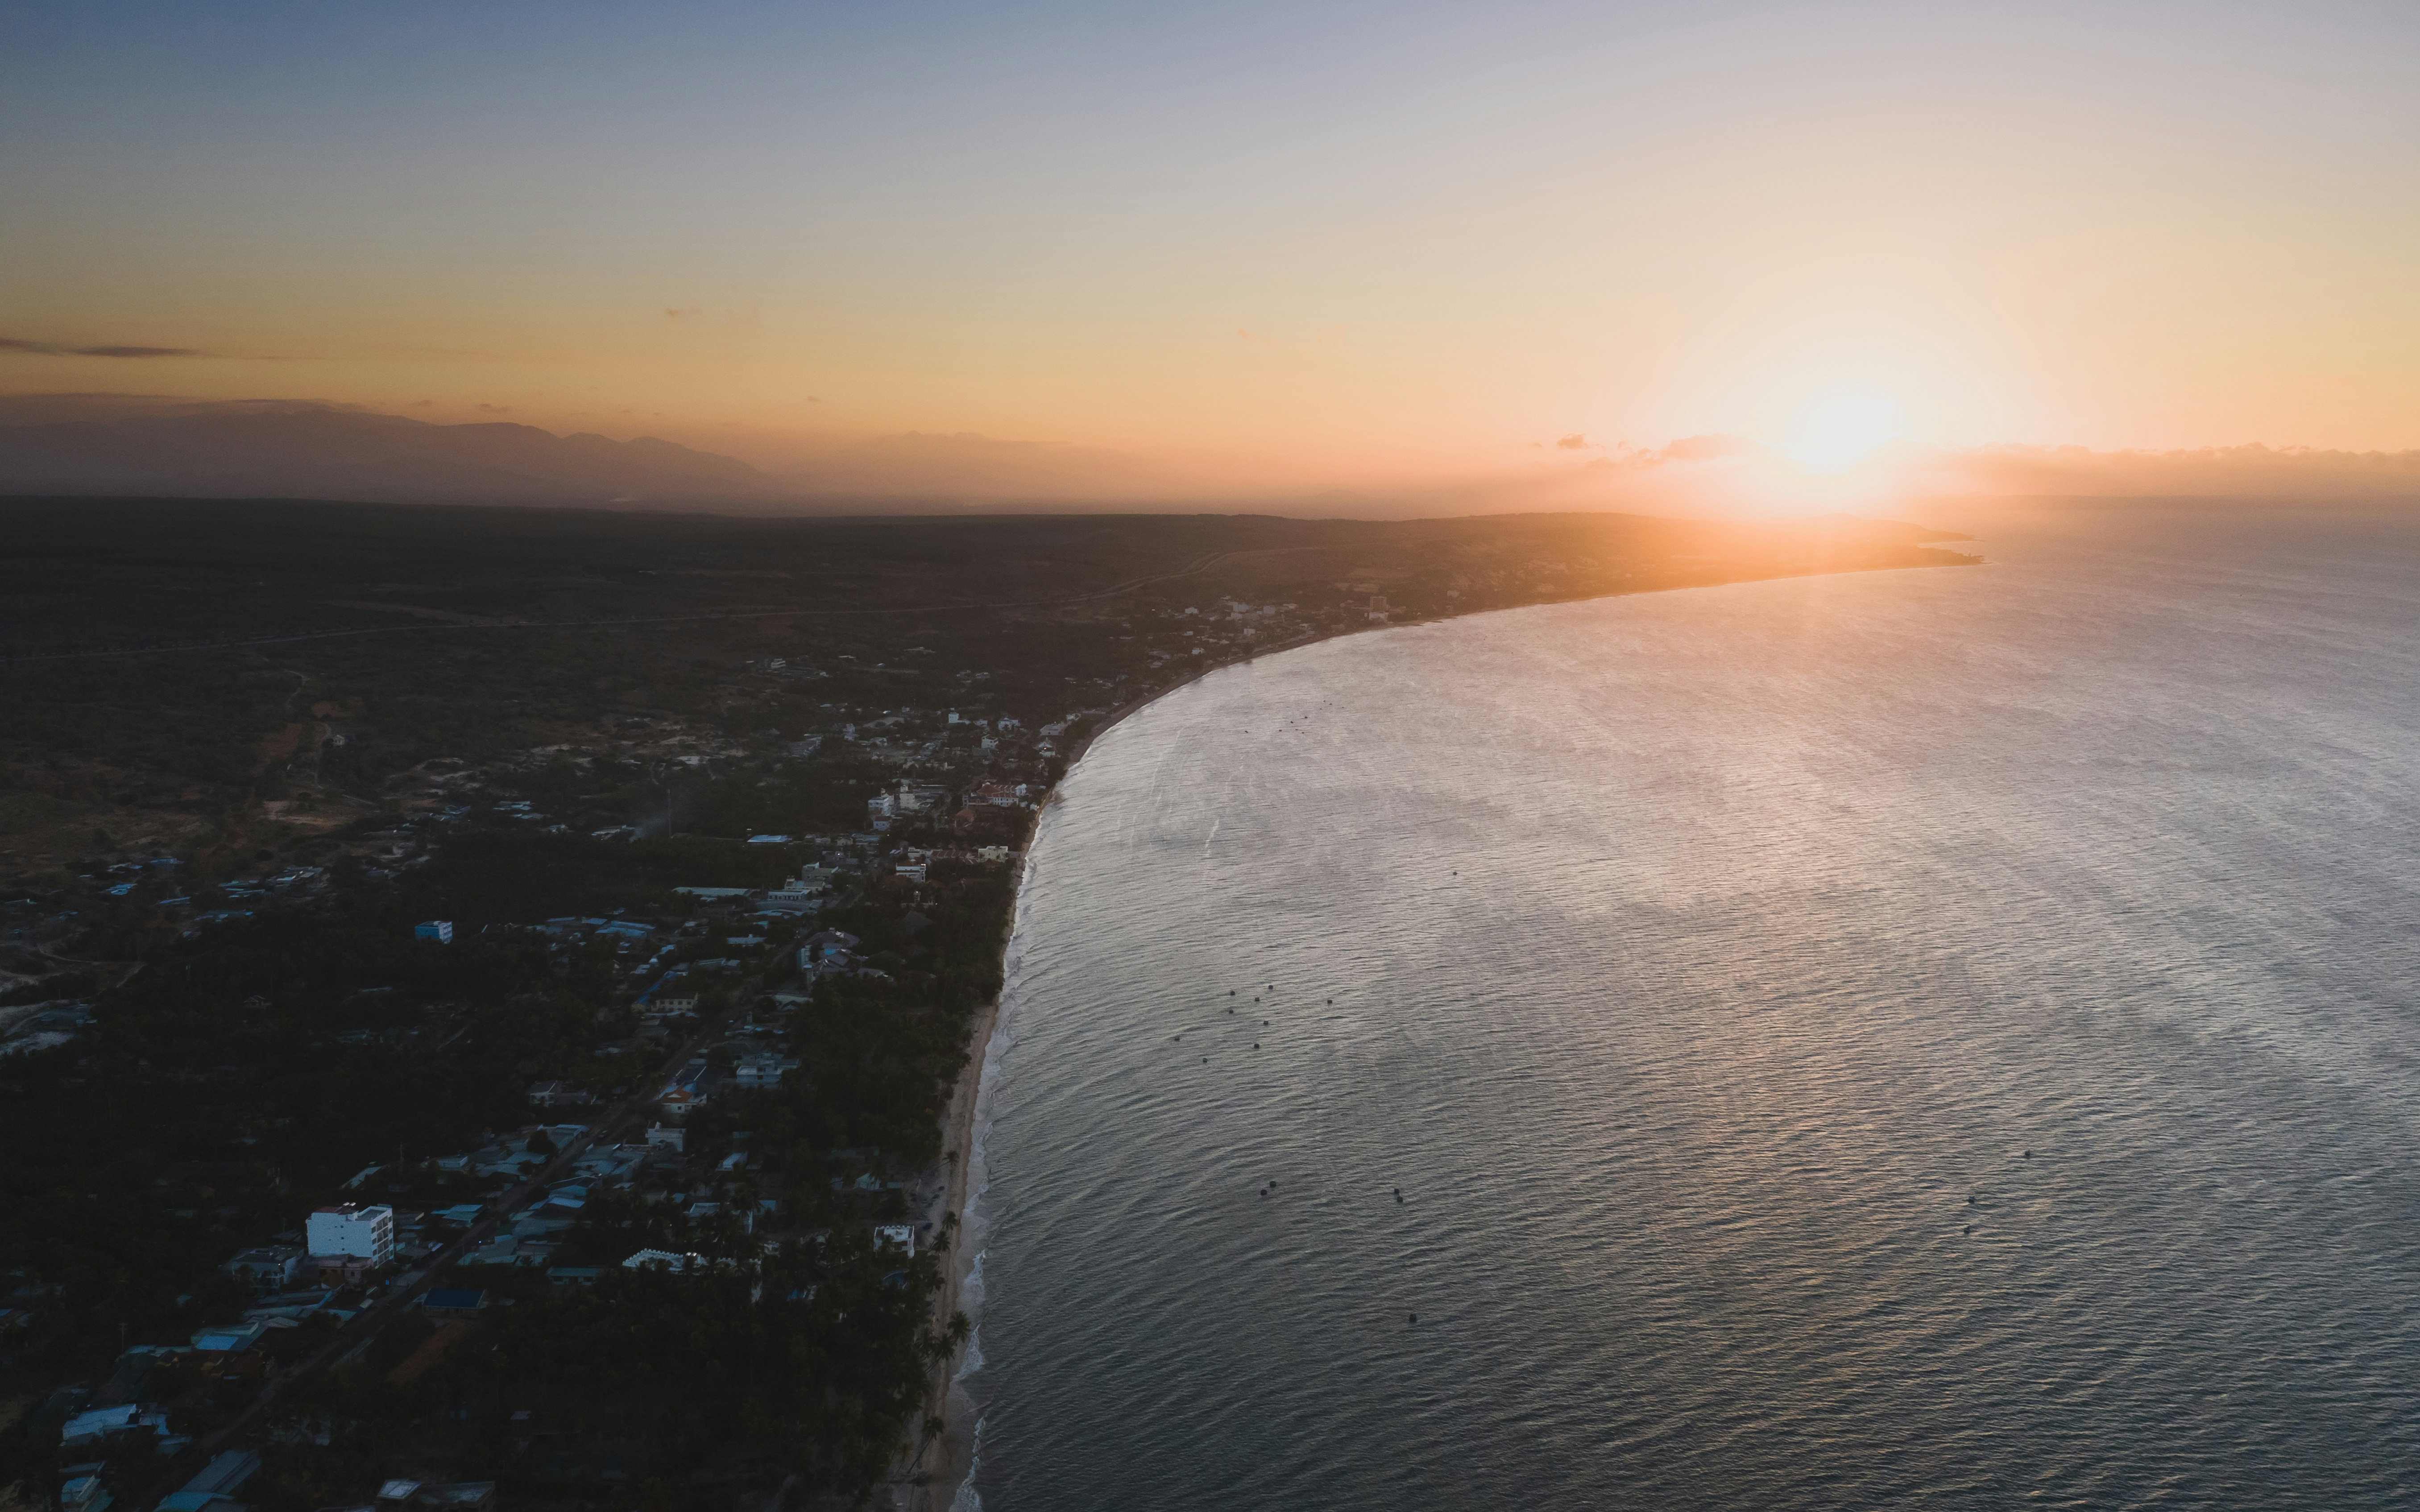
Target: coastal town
{"points": [[529, 1066]]}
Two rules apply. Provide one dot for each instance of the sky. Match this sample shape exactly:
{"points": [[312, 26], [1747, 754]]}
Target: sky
{"points": [[1316, 244]]}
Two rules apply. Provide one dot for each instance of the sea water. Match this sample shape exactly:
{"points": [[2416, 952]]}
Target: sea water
{"points": [[1928, 1038]]}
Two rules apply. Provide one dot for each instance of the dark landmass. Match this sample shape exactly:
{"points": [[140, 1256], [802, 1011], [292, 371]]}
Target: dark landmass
{"points": [[722, 817], [305, 450]]}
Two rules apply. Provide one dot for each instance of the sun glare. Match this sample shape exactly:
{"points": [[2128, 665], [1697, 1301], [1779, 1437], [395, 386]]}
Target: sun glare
{"points": [[1831, 430]]}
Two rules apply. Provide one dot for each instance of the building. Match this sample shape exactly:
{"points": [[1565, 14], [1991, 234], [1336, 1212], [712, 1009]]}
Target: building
{"points": [[85, 1493], [223, 1477], [827, 948], [902, 1235], [452, 1304], [350, 1231], [228, 1339], [663, 1137], [440, 930], [268, 1268], [678, 1099], [763, 1073], [105, 1423]]}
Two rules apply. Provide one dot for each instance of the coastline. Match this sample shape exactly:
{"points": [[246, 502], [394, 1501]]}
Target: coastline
{"points": [[933, 1477]]}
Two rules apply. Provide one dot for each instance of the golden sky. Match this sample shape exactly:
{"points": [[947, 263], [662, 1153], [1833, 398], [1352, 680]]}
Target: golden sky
{"points": [[1251, 246]]}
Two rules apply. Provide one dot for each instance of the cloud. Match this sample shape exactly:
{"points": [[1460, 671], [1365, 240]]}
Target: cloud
{"points": [[46, 409], [1572, 443], [1708, 448], [2216, 471], [44, 348]]}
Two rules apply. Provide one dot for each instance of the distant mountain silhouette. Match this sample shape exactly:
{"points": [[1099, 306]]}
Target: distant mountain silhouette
{"points": [[296, 450]]}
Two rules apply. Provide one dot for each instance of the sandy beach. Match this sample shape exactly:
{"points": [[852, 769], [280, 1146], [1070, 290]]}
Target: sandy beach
{"points": [[929, 1481]]}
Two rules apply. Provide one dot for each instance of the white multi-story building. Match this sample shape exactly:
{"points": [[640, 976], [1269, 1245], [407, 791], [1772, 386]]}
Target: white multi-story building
{"points": [[348, 1229]]}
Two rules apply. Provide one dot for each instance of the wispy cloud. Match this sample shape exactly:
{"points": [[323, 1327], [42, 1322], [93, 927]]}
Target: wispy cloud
{"points": [[44, 348]]}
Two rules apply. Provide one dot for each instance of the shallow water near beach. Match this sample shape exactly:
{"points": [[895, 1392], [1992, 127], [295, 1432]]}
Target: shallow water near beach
{"points": [[1941, 1037]]}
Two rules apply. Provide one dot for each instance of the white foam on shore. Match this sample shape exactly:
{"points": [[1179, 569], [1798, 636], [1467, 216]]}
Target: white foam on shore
{"points": [[972, 1360], [974, 1221], [968, 1499]]}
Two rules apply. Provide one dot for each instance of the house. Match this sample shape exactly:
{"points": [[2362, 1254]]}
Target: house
{"points": [[664, 1260], [267, 1267], [220, 1478], [105, 1423], [827, 948], [229, 1339], [351, 1230], [902, 1235], [554, 1094], [762, 1073], [446, 1303], [994, 791], [801, 894], [991, 854], [660, 1137], [440, 930], [85, 1493], [679, 1099], [501, 1250]]}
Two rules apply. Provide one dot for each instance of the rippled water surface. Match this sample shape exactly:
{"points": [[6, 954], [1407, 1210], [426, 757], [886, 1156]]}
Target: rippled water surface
{"points": [[1939, 1037]]}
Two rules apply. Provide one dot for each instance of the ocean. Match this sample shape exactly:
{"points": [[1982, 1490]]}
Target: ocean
{"points": [[1929, 1037]]}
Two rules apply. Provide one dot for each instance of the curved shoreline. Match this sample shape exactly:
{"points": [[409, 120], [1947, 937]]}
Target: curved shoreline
{"points": [[942, 1467]]}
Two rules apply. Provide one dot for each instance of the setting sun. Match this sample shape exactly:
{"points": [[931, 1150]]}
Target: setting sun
{"points": [[1831, 430]]}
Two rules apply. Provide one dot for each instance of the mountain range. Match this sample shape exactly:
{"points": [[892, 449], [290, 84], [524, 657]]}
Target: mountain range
{"points": [[303, 450]]}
